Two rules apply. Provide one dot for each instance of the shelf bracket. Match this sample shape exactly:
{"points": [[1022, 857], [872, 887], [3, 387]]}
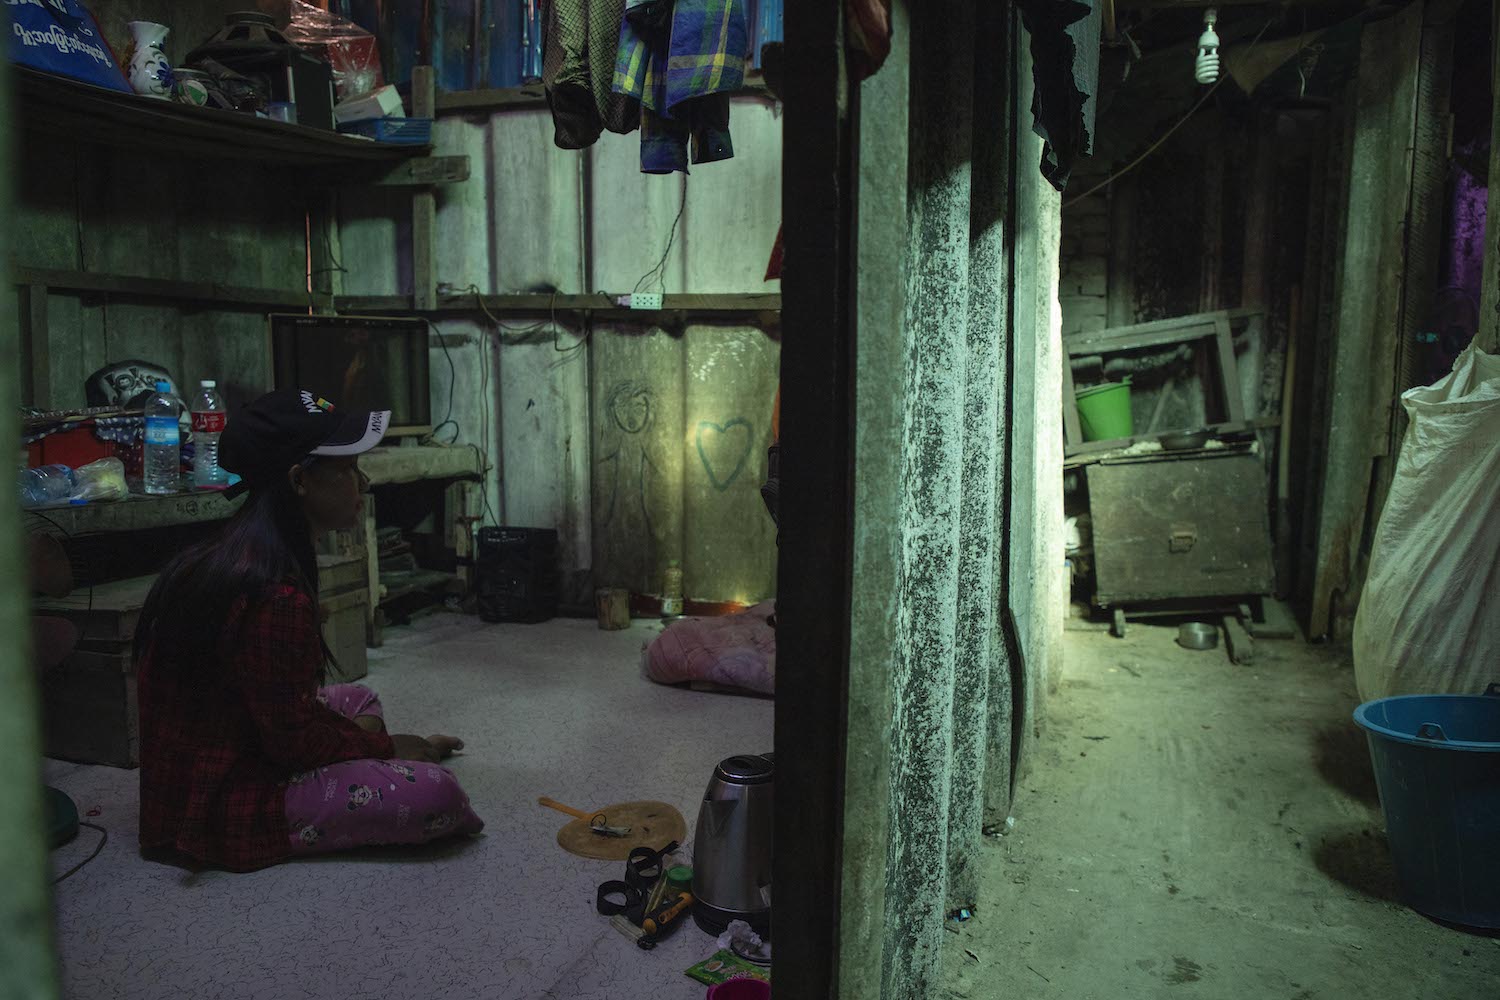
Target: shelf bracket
{"points": [[426, 171]]}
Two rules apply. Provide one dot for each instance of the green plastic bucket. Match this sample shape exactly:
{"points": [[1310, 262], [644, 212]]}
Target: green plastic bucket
{"points": [[1104, 411]]}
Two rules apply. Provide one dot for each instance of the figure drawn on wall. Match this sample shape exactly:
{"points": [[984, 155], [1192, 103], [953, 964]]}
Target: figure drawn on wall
{"points": [[629, 469]]}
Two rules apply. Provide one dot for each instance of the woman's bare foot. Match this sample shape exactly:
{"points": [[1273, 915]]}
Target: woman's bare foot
{"points": [[446, 746]]}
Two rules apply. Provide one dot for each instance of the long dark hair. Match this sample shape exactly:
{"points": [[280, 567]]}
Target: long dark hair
{"points": [[267, 542]]}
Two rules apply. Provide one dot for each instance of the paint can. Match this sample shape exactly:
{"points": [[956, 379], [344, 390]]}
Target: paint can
{"points": [[613, 607]]}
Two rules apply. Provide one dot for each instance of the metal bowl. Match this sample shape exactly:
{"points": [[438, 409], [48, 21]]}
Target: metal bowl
{"points": [[1197, 635], [1185, 440]]}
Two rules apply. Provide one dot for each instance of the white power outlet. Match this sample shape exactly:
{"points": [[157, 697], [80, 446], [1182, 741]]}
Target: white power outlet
{"points": [[645, 300]]}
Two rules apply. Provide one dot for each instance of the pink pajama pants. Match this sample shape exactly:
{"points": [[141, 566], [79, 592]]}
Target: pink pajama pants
{"points": [[359, 803]]}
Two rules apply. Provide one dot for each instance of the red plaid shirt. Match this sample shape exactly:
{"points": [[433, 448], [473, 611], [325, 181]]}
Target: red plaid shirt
{"points": [[220, 740]]}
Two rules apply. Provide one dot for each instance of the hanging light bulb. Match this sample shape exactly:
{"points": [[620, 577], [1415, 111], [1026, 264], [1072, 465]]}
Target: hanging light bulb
{"points": [[1206, 69]]}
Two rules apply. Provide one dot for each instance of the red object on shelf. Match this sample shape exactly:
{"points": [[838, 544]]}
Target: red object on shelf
{"points": [[356, 66], [75, 447]]}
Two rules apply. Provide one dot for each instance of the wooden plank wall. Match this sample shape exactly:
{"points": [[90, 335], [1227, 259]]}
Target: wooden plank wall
{"points": [[1385, 289], [82, 207], [533, 217], [1369, 297], [104, 211]]}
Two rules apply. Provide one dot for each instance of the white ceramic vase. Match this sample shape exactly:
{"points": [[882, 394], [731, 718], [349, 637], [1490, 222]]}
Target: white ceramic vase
{"points": [[150, 71]]}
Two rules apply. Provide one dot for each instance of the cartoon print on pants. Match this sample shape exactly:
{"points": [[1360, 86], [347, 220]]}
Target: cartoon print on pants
{"points": [[362, 795]]}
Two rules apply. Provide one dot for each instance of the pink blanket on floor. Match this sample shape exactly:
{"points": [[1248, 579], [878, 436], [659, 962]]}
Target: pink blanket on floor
{"points": [[735, 651]]}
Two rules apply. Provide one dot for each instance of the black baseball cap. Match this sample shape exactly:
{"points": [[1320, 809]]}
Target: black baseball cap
{"points": [[265, 438]]}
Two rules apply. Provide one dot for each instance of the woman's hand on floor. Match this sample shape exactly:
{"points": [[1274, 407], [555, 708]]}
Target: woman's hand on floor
{"points": [[429, 751], [410, 747], [446, 746]]}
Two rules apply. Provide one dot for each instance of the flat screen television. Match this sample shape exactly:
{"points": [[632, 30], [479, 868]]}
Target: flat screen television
{"points": [[358, 362]]}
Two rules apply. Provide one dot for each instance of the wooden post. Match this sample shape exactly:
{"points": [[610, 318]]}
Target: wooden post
{"points": [[1213, 219], [814, 583], [423, 204], [373, 637], [1122, 205], [1241, 645], [1488, 336], [1255, 264], [323, 239], [1072, 426], [36, 349], [26, 951], [1234, 403]]}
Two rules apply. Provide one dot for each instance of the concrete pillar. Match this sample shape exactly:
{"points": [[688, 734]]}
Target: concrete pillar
{"points": [[983, 455], [1488, 335], [1034, 596], [879, 419], [942, 462], [25, 910], [935, 355]]}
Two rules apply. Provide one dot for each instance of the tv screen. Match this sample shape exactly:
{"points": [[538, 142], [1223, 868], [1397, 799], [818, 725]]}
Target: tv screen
{"points": [[358, 362]]}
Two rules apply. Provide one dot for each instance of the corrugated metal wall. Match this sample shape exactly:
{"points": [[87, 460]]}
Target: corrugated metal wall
{"points": [[640, 445]]}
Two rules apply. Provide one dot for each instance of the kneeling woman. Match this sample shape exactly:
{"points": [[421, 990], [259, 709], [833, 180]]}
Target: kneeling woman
{"points": [[246, 760]]}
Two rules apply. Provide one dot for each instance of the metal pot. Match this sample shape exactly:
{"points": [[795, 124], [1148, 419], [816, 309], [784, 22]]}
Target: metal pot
{"points": [[1197, 635], [1185, 440]]}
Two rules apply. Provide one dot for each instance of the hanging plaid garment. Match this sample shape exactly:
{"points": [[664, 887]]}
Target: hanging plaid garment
{"points": [[682, 60], [578, 67]]}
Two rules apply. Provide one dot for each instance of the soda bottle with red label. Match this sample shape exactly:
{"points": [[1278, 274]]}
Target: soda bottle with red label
{"points": [[208, 424]]}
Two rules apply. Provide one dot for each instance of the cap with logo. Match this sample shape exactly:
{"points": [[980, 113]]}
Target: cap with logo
{"points": [[270, 435]]}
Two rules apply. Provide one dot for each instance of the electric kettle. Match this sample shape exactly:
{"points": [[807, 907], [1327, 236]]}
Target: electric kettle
{"points": [[732, 847]]}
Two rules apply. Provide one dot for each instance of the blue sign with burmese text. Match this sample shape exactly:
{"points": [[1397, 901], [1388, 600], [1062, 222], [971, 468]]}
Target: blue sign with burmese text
{"points": [[61, 37]]}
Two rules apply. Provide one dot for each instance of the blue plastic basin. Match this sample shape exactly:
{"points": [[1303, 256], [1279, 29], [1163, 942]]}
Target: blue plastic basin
{"points": [[1437, 763]]}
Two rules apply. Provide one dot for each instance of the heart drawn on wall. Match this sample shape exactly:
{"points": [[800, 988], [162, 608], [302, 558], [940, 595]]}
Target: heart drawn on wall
{"points": [[723, 449]]}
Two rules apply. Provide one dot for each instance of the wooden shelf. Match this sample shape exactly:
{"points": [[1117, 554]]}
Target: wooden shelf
{"points": [[533, 97], [527, 98], [599, 306], [138, 513], [84, 113], [410, 464], [160, 289]]}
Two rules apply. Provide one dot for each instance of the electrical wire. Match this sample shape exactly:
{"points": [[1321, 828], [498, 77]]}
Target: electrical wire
{"points": [[103, 839], [659, 272], [1167, 135], [336, 266], [484, 450], [452, 385]]}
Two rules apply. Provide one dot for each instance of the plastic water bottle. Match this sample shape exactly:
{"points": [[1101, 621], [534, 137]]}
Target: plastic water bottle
{"points": [[208, 424], [48, 484], [163, 465], [671, 591]]}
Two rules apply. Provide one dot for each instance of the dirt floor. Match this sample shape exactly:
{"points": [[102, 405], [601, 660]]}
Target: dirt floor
{"points": [[1189, 827]]}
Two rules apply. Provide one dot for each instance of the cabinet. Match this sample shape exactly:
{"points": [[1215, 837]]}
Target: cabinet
{"points": [[1178, 526]]}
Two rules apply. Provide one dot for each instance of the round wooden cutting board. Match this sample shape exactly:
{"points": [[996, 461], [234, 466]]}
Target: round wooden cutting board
{"points": [[652, 824]]}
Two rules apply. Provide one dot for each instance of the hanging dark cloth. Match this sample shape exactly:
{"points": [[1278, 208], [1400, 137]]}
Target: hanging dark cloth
{"points": [[1065, 68], [578, 68]]}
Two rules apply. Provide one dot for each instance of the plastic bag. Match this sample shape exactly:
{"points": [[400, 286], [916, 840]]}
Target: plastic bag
{"points": [[352, 51], [101, 480], [1429, 616]]}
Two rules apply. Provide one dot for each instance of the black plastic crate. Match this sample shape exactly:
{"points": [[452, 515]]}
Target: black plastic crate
{"points": [[516, 574]]}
